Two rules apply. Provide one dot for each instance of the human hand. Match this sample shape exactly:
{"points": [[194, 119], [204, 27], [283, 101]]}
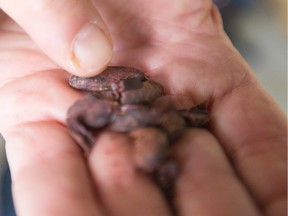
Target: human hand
{"points": [[238, 168]]}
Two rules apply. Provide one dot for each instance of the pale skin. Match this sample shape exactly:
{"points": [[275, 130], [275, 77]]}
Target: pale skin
{"points": [[237, 168]]}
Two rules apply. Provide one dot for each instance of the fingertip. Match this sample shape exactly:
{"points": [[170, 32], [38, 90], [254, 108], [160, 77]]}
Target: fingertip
{"points": [[112, 158], [91, 50]]}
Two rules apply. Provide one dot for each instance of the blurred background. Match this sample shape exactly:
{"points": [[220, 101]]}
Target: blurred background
{"points": [[258, 29]]}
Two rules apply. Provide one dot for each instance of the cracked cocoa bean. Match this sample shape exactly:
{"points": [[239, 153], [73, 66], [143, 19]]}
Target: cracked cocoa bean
{"points": [[107, 80]]}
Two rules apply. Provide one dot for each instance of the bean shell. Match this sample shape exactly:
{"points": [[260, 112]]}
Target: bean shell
{"points": [[147, 94]]}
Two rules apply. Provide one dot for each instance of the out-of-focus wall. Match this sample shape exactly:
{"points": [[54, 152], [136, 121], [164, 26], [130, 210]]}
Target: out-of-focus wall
{"points": [[280, 10], [258, 29]]}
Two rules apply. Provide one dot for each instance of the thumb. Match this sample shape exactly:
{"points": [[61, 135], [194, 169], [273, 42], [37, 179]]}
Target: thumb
{"points": [[70, 32]]}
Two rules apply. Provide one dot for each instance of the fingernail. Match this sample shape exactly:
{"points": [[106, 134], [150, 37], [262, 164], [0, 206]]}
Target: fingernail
{"points": [[91, 49]]}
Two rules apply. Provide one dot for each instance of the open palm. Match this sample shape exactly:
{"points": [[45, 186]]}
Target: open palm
{"points": [[238, 168]]}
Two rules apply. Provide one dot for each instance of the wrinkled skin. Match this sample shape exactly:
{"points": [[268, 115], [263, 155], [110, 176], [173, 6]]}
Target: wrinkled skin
{"points": [[237, 169]]}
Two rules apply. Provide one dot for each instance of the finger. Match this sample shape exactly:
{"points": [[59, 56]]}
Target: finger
{"points": [[72, 33], [48, 172], [49, 99], [207, 185], [19, 55], [123, 190], [253, 131]]}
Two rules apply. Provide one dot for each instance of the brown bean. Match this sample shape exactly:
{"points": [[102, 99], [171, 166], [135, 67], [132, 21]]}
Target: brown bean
{"points": [[131, 117], [107, 79], [149, 148], [145, 95]]}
